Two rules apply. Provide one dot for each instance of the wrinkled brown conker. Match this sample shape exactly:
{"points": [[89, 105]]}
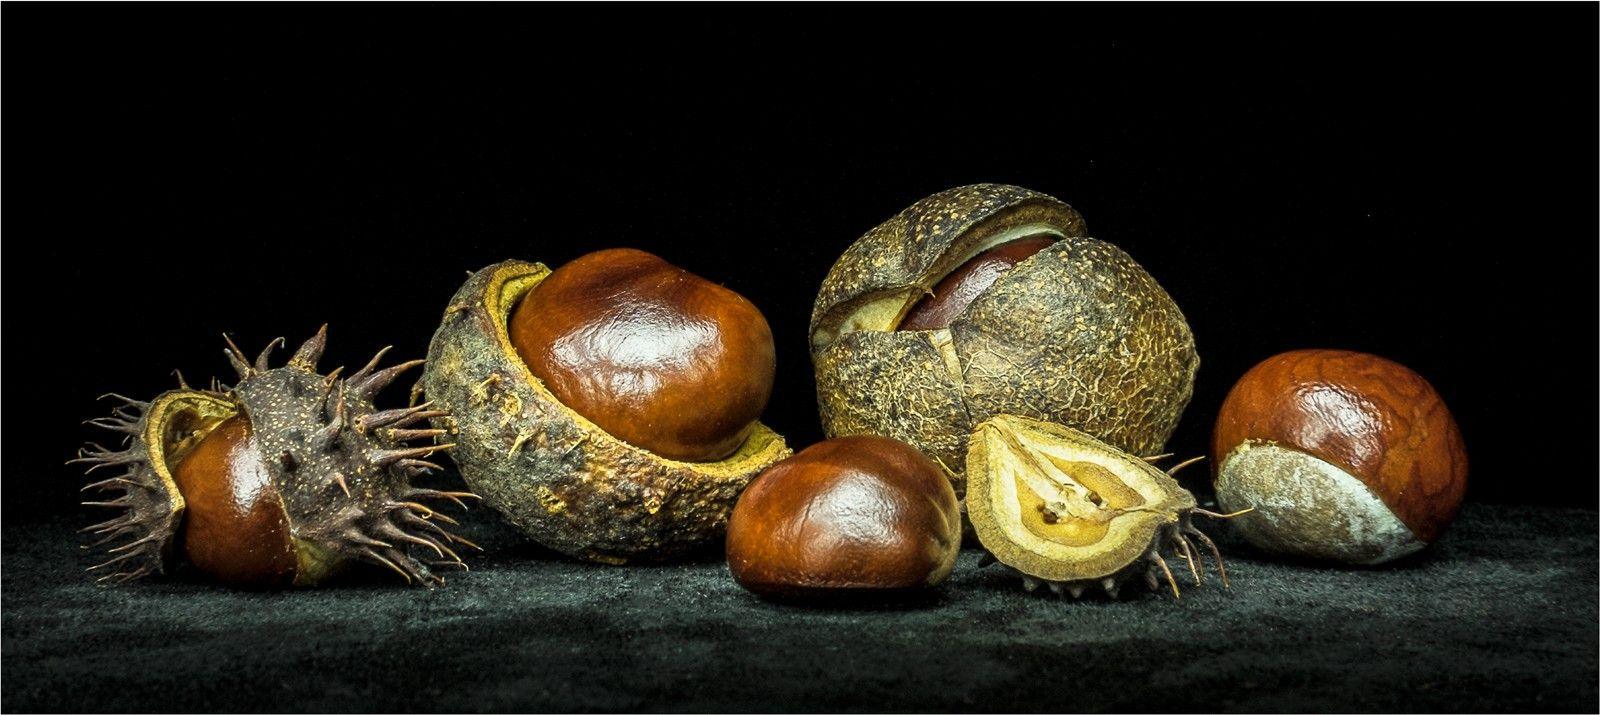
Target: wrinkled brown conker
{"points": [[956, 291], [858, 514], [653, 354]]}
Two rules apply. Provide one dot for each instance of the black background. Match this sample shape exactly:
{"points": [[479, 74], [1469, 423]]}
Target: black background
{"points": [[1419, 182]]}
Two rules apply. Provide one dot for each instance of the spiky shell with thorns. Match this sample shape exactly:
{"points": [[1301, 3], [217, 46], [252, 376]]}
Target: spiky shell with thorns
{"points": [[325, 474]]}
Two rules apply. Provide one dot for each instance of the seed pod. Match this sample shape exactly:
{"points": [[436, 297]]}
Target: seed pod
{"points": [[1027, 317], [282, 479], [1069, 511], [552, 472]]}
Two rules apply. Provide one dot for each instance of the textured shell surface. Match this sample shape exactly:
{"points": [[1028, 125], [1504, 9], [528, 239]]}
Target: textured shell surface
{"points": [[554, 475], [1118, 516], [1077, 334], [338, 464], [1305, 506]]}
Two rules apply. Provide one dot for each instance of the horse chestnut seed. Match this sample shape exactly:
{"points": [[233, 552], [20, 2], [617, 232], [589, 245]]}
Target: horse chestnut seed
{"points": [[652, 354], [953, 293], [850, 515], [1341, 455], [235, 527]]}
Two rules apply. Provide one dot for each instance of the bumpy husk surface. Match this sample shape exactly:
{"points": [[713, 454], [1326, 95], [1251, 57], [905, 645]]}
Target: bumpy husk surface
{"points": [[1078, 334], [553, 474], [338, 465]]}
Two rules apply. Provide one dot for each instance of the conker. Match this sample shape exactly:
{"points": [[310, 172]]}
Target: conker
{"points": [[284, 478], [653, 354], [989, 300], [1342, 455], [850, 515], [956, 291], [649, 358], [235, 527]]}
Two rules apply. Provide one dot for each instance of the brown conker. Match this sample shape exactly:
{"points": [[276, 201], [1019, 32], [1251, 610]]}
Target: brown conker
{"points": [[1342, 455], [235, 529], [849, 515], [652, 354], [953, 293]]}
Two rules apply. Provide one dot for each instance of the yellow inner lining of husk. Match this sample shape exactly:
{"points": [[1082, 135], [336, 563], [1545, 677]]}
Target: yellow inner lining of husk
{"points": [[1107, 504]]}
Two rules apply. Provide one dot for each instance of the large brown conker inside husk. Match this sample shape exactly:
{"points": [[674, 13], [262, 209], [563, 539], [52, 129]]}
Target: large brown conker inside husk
{"points": [[556, 475], [1342, 455], [282, 479], [846, 516], [987, 300], [652, 354]]}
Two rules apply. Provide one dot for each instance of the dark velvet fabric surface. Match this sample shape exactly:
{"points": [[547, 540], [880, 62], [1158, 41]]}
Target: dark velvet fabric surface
{"points": [[1500, 616]]}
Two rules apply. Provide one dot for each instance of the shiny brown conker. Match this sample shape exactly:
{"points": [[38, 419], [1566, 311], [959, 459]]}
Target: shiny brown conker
{"points": [[1341, 455], [235, 527], [653, 354], [850, 515]]}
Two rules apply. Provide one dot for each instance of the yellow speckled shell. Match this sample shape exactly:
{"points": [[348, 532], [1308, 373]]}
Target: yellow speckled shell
{"points": [[1078, 334], [553, 474]]}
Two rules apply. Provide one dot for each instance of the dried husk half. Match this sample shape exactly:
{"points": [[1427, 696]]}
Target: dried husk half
{"points": [[554, 475], [1067, 510]]}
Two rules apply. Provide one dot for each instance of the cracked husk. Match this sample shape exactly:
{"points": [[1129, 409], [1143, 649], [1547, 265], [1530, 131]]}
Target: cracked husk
{"points": [[554, 475], [1078, 334]]}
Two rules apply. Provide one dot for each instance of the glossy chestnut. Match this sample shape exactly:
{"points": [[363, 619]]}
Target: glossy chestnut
{"points": [[652, 354], [1343, 455], [850, 515], [235, 527]]}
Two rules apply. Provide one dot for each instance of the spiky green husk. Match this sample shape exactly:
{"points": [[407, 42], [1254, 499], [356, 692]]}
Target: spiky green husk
{"points": [[339, 465], [1078, 334], [554, 475]]}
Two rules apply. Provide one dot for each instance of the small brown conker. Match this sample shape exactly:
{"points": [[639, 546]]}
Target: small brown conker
{"points": [[235, 527], [1341, 455], [849, 515], [653, 354]]}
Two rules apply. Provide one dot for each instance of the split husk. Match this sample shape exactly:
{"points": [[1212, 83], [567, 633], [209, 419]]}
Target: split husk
{"points": [[554, 475], [1078, 334]]}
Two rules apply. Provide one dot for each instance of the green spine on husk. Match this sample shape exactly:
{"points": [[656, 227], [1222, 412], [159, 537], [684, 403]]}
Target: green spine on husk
{"points": [[339, 465], [554, 475]]}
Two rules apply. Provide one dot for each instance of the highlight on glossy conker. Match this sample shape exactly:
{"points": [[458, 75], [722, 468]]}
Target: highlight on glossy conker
{"points": [[847, 516], [607, 409], [1068, 511], [986, 300], [1342, 455], [652, 354], [282, 479]]}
